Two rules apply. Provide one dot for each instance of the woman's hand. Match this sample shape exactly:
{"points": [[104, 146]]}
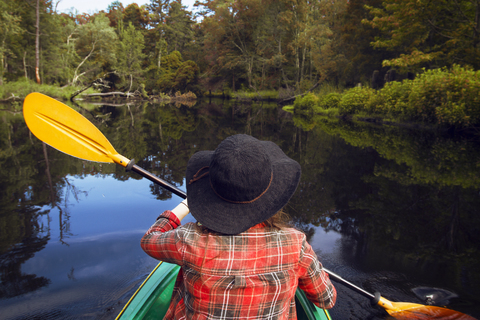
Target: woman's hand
{"points": [[181, 211]]}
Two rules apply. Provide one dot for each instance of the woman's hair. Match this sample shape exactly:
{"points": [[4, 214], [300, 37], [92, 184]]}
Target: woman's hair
{"points": [[279, 220]]}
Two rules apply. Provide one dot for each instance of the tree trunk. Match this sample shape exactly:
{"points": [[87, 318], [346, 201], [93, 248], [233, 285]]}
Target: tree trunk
{"points": [[302, 68], [477, 25], [131, 83], [2, 66], [249, 70], [25, 64], [284, 77], [37, 44]]}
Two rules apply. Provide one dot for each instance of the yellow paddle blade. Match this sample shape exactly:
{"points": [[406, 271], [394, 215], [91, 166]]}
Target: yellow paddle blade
{"points": [[406, 310], [65, 129]]}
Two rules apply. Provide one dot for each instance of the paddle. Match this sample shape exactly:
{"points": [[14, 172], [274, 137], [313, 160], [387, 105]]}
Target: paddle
{"points": [[403, 310], [68, 131]]}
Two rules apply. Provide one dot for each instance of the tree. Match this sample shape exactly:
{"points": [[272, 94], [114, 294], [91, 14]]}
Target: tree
{"points": [[176, 74], [57, 50], [66, 53], [115, 13], [273, 43], [171, 29], [95, 46], [178, 27], [170, 63], [322, 38], [229, 41], [136, 15], [9, 27], [33, 51], [129, 54], [428, 33], [37, 42], [156, 35], [186, 75], [355, 38]]}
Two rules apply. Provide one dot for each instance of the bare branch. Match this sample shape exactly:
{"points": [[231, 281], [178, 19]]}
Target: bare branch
{"points": [[75, 77]]}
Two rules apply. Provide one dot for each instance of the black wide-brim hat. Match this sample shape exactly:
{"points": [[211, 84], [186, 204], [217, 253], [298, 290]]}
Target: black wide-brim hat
{"points": [[243, 182]]}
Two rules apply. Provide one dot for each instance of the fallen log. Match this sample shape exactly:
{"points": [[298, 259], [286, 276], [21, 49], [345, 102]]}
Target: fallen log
{"points": [[107, 94], [12, 97], [105, 104], [97, 82]]}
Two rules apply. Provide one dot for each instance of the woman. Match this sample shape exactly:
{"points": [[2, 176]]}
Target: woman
{"points": [[238, 261]]}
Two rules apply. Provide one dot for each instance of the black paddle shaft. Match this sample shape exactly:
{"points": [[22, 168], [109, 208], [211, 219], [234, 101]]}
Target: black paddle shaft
{"points": [[144, 173], [374, 298]]}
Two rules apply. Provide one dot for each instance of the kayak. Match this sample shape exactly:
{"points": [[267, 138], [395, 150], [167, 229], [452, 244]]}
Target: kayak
{"points": [[152, 298]]}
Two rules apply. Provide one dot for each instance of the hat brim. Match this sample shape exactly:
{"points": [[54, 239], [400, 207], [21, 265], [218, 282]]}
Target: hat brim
{"points": [[233, 218]]}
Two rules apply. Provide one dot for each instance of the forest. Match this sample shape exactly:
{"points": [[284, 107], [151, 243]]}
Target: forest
{"points": [[287, 47]]}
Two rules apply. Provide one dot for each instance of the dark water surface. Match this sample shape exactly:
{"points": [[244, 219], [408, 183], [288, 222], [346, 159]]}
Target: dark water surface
{"points": [[389, 209]]}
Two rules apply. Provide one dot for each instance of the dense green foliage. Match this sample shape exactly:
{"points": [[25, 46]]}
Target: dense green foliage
{"points": [[448, 97], [254, 46], [428, 33]]}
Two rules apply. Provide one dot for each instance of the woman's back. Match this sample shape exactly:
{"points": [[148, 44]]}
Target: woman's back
{"points": [[237, 265], [249, 275]]}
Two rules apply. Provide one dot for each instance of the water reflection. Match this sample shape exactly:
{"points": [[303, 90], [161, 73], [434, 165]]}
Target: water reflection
{"points": [[392, 209], [14, 282], [21, 235], [411, 196], [409, 200]]}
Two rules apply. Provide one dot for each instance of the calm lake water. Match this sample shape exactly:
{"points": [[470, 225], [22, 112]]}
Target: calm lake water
{"points": [[390, 209]]}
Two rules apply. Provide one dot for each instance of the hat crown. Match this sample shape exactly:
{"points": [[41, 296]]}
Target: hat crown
{"points": [[240, 169], [242, 183]]}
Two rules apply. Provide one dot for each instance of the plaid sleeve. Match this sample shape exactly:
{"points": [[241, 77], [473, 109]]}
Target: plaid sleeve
{"points": [[314, 281], [161, 241]]}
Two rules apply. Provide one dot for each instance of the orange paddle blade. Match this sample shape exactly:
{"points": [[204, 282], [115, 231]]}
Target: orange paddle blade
{"points": [[65, 129], [405, 310]]}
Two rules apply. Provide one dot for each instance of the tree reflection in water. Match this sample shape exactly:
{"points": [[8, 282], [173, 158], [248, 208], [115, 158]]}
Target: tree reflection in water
{"points": [[13, 281]]}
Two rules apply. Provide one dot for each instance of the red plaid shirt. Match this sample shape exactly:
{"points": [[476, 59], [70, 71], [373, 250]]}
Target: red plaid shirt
{"points": [[252, 275]]}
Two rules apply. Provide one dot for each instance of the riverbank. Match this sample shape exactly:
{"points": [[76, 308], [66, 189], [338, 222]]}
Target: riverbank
{"points": [[18, 90], [444, 97], [261, 95], [448, 98]]}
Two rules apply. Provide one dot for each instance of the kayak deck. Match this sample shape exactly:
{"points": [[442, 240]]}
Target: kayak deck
{"points": [[152, 298]]}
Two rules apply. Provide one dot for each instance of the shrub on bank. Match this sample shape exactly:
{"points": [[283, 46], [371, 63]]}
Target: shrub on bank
{"points": [[447, 96], [392, 99], [330, 101], [441, 96], [306, 104], [355, 100]]}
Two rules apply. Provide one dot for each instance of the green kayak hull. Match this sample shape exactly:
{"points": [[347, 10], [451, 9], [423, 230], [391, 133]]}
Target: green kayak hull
{"points": [[152, 298]]}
